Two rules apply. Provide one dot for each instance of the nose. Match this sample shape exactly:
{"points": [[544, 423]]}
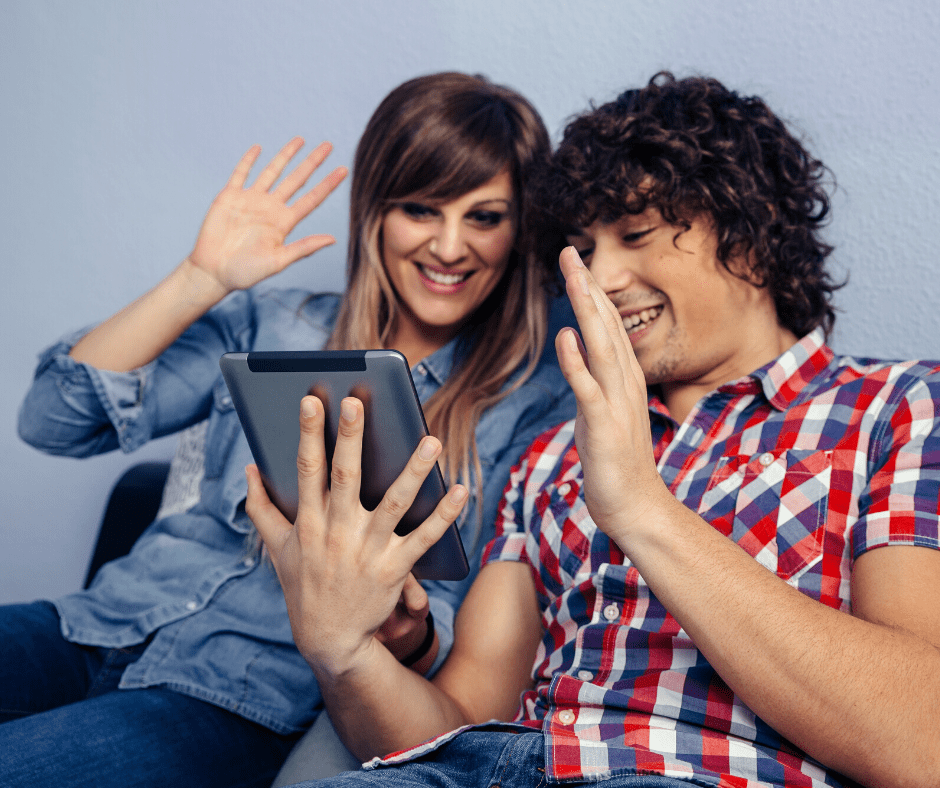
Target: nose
{"points": [[448, 244], [610, 266]]}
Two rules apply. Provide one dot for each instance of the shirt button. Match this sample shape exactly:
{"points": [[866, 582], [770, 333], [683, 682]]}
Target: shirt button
{"points": [[566, 717], [249, 562], [611, 612], [192, 605], [564, 489], [421, 370], [766, 459], [585, 675]]}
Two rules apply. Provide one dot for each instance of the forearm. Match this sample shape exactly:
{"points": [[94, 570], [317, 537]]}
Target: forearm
{"points": [[381, 706], [845, 690], [141, 331]]}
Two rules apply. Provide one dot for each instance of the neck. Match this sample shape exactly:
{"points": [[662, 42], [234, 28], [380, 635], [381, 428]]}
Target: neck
{"points": [[416, 344], [680, 397]]}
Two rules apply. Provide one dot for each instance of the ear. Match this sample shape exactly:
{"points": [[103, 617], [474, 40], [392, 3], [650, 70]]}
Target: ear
{"points": [[744, 265]]}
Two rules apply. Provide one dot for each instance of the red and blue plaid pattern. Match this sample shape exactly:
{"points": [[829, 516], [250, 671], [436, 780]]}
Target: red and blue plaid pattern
{"points": [[806, 464]]}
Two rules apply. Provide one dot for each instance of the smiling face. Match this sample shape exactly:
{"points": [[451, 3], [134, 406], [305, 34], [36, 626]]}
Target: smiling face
{"points": [[693, 325], [444, 259]]}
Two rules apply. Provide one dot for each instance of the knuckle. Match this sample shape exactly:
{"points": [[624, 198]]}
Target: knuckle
{"points": [[346, 429], [308, 466], [342, 476], [425, 539], [395, 506]]}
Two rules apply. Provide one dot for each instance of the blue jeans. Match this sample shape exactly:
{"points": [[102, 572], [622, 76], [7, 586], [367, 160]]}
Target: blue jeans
{"points": [[481, 759], [65, 723]]}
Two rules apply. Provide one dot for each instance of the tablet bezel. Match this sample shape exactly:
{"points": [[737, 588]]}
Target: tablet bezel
{"points": [[266, 389]]}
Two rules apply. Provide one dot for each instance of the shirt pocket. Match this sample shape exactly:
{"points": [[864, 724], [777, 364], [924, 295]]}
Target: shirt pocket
{"points": [[773, 505], [222, 429]]}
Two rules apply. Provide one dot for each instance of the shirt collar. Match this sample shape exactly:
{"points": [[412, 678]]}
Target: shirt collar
{"points": [[441, 362], [780, 380]]}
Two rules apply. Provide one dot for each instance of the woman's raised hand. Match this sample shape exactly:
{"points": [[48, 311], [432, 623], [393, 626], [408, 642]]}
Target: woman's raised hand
{"points": [[241, 241]]}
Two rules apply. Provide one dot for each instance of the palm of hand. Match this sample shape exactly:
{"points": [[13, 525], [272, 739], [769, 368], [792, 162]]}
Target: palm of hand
{"points": [[242, 238]]}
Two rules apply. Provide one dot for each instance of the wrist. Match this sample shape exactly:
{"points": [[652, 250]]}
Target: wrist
{"points": [[644, 522], [198, 286], [422, 655]]}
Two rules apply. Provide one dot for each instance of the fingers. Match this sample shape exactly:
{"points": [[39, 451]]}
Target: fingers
{"points": [[415, 599], [420, 540], [572, 358], [347, 456], [403, 491], [271, 524], [311, 458], [303, 247], [296, 178], [306, 203], [607, 354], [270, 174], [240, 174]]}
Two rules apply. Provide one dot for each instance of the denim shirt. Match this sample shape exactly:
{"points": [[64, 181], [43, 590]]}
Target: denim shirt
{"points": [[213, 612]]}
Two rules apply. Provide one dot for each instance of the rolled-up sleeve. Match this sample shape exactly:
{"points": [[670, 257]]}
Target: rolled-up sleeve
{"points": [[74, 409]]}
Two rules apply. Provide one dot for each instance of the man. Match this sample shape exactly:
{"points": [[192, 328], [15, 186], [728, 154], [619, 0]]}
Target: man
{"points": [[725, 570]]}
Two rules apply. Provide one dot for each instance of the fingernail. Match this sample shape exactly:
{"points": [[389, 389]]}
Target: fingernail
{"points": [[307, 409], [571, 341], [427, 449], [577, 257], [458, 495], [348, 410]]}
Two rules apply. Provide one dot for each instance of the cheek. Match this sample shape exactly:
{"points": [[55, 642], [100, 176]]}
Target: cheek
{"points": [[399, 237], [496, 250]]}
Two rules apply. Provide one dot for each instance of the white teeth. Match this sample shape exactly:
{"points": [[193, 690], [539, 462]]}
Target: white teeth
{"points": [[442, 278], [632, 321]]}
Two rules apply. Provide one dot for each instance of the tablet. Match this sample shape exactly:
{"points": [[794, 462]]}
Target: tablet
{"points": [[266, 390]]}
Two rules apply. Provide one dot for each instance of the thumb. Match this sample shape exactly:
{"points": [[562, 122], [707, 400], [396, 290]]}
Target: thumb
{"points": [[272, 526], [415, 598]]}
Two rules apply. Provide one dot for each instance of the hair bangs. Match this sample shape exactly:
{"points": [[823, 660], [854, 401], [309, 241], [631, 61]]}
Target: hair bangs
{"points": [[444, 160]]}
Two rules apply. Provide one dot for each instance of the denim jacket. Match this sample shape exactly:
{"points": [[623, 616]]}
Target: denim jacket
{"points": [[213, 612]]}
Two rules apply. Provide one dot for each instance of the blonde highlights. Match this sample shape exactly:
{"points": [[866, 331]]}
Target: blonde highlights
{"points": [[438, 137]]}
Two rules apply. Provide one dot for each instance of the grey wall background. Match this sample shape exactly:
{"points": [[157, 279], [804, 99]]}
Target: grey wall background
{"points": [[122, 120]]}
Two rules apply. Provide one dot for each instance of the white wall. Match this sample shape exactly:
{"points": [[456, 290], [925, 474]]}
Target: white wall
{"points": [[121, 121]]}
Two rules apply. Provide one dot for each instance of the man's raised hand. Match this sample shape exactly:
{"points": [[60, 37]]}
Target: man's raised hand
{"points": [[612, 430]]}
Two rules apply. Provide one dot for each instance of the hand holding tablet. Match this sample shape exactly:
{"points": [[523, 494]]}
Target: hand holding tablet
{"points": [[267, 388]]}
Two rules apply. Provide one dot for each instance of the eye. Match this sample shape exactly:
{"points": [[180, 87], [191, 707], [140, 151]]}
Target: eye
{"points": [[416, 210], [584, 252], [484, 218], [632, 238], [582, 244]]}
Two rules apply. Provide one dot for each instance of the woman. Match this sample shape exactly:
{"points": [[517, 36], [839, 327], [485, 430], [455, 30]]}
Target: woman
{"points": [[191, 625]]}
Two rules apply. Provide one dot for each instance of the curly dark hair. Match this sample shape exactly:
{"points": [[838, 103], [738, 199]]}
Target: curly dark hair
{"points": [[691, 147]]}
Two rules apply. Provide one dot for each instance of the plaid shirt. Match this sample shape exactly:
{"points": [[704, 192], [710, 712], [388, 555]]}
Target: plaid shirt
{"points": [[806, 464]]}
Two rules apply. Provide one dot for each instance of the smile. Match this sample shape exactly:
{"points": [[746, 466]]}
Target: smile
{"points": [[639, 320], [443, 278]]}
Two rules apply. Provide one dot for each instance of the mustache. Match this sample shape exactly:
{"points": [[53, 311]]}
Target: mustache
{"points": [[623, 300]]}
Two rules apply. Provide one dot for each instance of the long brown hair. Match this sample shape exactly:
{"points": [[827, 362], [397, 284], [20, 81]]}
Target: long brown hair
{"points": [[438, 137]]}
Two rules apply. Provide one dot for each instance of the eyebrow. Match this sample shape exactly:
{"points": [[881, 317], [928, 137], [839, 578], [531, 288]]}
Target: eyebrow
{"points": [[567, 229], [508, 202]]}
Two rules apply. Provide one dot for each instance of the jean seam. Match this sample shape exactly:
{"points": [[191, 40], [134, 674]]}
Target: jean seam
{"points": [[512, 748]]}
